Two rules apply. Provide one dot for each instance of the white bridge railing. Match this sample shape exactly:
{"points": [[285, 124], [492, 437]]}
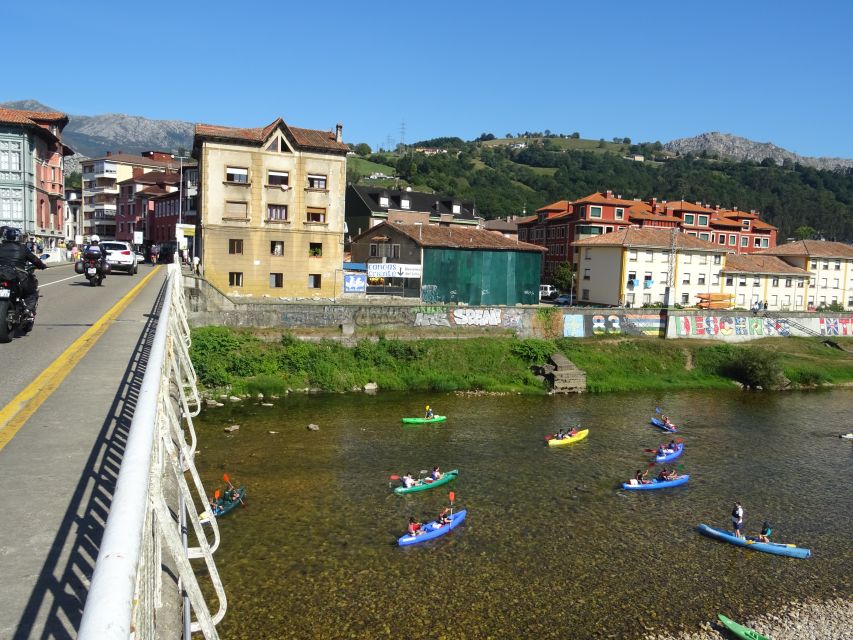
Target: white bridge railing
{"points": [[144, 546]]}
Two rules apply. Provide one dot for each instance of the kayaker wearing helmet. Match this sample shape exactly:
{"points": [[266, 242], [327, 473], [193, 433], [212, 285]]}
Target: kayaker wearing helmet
{"points": [[429, 413]]}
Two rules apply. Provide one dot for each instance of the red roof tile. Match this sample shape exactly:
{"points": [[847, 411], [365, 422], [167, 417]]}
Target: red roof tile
{"points": [[129, 158], [754, 263], [683, 205], [559, 206], [601, 198], [304, 138], [19, 116], [649, 237], [810, 249], [455, 237]]}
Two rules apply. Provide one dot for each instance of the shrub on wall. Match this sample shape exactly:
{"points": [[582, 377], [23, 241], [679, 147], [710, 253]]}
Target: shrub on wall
{"points": [[533, 351]]}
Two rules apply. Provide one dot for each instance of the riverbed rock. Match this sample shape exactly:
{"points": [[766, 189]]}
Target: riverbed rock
{"points": [[371, 387], [313, 427], [267, 404], [234, 399], [232, 428]]}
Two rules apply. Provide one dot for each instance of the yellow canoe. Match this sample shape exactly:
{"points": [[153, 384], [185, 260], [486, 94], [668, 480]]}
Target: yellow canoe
{"points": [[580, 435]]}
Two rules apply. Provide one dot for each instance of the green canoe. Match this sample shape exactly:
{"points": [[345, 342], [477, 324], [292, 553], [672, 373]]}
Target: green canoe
{"points": [[424, 420], [423, 486], [739, 630]]}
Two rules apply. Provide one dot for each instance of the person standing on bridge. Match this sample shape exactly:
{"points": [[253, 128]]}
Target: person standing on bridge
{"points": [[15, 257]]}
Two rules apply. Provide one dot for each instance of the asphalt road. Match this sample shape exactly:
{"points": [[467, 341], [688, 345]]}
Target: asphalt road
{"points": [[63, 462], [67, 307]]}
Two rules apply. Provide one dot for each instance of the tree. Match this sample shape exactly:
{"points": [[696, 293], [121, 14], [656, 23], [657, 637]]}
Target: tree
{"points": [[626, 140], [509, 135], [74, 180], [564, 276], [804, 232], [362, 149], [576, 135]]}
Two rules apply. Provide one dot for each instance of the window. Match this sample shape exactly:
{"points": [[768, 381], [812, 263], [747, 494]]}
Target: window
{"points": [[647, 298], [277, 178], [705, 236], [457, 209], [789, 282], [800, 283], [685, 298], [700, 279], [687, 258], [632, 255], [276, 280], [316, 181], [826, 264], [314, 280], [273, 146], [585, 294], [237, 210], [689, 218], [703, 221], [838, 265], [650, 256], [277, 212], [316, 214], [732, 239], [744, 241], [277, 247], [405, 203], [835, 283], [814, 264], [741, 281], [756, 281], [823, 283], [746, 224], [237, 174], [586, 254], [619, 213], [756, 242], [730, 280], [586, 274], [647, 276], [374, 250], [775, 282], [235, 278], [685, 278], [235, 246], [315, 249], [632, 275], [594, 212], [741, 300], [383, 201], [811, 282], [722, 238], [664, 276]]}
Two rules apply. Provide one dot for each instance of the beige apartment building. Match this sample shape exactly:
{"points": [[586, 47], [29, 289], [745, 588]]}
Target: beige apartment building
{"points": [[271, 209]]}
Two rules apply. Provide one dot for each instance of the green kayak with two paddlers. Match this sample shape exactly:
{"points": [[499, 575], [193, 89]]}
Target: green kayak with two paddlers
{"points": [[428, 483]]}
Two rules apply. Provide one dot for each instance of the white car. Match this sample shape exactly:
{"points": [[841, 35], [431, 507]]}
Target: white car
{"points": [[120, 256]]}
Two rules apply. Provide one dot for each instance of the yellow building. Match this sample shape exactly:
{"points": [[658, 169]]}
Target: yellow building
{"points": [[271, 209]]}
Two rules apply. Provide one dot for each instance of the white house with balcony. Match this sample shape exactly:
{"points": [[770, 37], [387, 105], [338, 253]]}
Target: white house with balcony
{"points": [[762, 279], [101, 177], [829, 266], [631, 267]]}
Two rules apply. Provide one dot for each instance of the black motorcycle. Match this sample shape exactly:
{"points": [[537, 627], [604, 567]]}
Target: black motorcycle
{"points": [[95, 270], [13, 316]]}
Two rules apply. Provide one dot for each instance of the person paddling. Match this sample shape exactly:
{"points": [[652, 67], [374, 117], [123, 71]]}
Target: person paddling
{"points": [[414, 528], [764, 536], [443, 517], [640, 476], [429, 413]]}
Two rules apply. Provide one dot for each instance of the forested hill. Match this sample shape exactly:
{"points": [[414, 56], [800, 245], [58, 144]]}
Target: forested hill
{"points": [[504, 181]]}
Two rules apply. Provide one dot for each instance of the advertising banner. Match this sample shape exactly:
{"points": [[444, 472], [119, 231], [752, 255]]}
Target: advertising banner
{"points": [[393, 270], [355, 283]]}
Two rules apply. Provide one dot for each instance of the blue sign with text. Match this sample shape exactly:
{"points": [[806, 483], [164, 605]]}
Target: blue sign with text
{"points": [[355, 283]]}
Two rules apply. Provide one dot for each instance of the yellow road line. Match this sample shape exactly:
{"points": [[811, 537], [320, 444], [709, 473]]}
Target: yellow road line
{"points": [[15, 414]]}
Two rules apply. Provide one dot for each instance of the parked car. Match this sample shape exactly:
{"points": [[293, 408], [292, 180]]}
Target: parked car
{"points": [[564, 300], [547, 292], [120, 256]]}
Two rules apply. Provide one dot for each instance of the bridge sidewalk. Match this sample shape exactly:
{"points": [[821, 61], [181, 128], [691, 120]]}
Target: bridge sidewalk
{"points": [[59, 472]]}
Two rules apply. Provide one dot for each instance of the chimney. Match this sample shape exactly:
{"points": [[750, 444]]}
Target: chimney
{"points": [[609, 194], [339, 132], [716, 207], [109, 153]]}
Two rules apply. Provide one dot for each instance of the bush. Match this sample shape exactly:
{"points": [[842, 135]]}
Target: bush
{"points": [[268, 385], [755, 368], [533, 350]]}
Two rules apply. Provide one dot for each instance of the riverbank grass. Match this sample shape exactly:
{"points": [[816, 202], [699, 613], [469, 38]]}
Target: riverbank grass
{"points": [[272, 363]]}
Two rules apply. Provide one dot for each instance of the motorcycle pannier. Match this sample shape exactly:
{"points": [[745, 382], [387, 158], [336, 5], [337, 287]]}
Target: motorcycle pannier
{"points": [[79, 269]]}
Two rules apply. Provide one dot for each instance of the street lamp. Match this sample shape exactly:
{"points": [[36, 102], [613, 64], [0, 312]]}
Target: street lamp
{"points": [[180, 159]]}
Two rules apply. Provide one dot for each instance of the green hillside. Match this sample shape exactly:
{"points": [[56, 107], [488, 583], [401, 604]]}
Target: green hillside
{"points": [[504, 181]]}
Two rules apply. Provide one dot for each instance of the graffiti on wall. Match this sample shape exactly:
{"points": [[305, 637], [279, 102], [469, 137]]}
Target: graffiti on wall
{"points": [[836, 326], [691, 326], [582, 326], [468, 317]]}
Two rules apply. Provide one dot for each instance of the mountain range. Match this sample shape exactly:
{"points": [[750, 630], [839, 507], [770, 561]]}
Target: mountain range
{"points": [[93, 136]]}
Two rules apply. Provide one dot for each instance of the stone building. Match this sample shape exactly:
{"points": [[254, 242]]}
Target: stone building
{"points": [[271, 209]]}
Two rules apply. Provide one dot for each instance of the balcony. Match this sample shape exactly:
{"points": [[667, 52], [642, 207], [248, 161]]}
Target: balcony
{"points": [[111, 189], [101, 170]]}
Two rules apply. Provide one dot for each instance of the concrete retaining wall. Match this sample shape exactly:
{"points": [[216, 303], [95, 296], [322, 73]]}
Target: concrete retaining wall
{"points": [[208, 306]]}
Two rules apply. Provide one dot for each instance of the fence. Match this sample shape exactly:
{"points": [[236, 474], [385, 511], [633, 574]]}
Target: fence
{"points": [[145, 549]]}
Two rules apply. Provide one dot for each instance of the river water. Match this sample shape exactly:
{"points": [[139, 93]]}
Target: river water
{"points": [[552, 547]]}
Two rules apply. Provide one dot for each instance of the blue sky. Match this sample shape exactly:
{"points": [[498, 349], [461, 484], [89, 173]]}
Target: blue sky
{"points": [[770, 71]]}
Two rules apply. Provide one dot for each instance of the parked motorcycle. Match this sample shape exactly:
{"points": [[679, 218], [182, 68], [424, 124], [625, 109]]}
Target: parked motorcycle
{"points": [[13, 316], [94, 270]]}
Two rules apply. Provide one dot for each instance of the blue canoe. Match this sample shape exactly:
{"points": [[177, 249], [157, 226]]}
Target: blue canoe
{"points": [[679, 448], [660, 424], [433, 530], [656, 484], [790, 550]]}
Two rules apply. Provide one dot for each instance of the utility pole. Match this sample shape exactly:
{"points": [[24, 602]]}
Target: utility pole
{"points": [[402, 137], [670, 269]]}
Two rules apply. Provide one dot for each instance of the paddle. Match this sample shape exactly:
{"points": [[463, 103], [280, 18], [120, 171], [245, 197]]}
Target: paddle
{"points": [[452, 496], [394, 477], [231, 486]]}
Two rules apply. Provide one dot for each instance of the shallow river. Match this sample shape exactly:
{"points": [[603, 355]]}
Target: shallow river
{"points": [[552, 547]]}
